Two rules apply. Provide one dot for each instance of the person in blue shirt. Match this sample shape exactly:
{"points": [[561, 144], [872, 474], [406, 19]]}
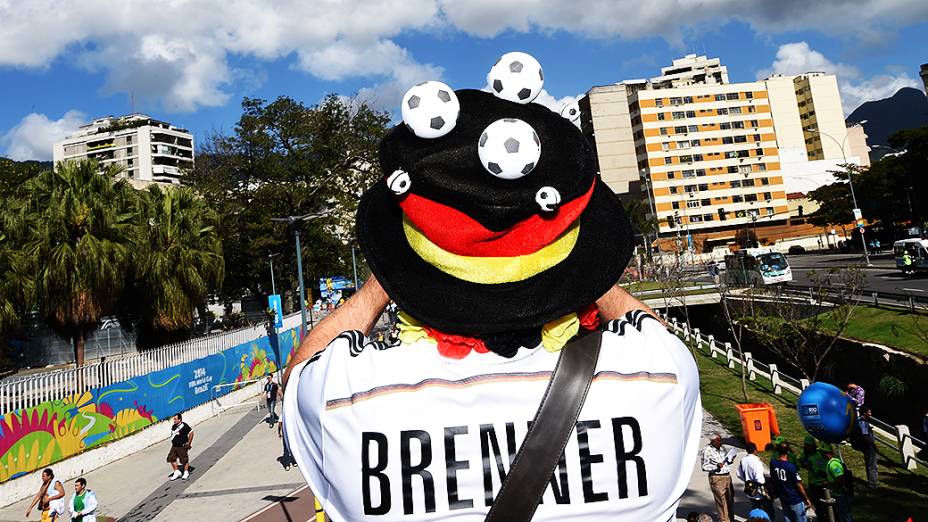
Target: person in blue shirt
{"points": [[784, 476]]}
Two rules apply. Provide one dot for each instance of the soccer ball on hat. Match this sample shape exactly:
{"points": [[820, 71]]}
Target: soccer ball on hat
{"points": [[509, 148], [571, 111], [430, 109], [516, 77]]}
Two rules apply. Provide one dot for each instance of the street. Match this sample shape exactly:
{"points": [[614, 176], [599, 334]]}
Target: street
{"points": [[882, 277]]}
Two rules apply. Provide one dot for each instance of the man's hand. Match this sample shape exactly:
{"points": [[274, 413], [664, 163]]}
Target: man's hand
{"points": [[360, 312]]}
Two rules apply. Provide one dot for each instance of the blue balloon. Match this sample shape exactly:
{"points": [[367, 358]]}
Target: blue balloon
{"points": [[826, 412]]}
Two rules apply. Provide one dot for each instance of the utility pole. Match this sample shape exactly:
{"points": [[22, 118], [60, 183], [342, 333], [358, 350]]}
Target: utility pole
{"points": [[270, 260], [354, 265], [293, 222]]}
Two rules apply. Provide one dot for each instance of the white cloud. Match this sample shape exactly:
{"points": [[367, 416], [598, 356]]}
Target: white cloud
{"points": [[33, 136], [178, 53], [798, 57]]}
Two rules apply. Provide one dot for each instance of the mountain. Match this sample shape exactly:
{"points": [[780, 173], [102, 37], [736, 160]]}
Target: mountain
{"points": [[906, 109]]}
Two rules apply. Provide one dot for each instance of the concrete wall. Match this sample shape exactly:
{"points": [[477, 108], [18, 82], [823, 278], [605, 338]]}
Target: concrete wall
{"points": [[25, 486]]}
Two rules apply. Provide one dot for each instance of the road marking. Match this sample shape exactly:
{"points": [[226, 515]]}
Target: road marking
{"points": [[913, 289]]}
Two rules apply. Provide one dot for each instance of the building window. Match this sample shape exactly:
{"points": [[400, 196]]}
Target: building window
{"points": [[673, 190], [129, 162], [659, 102], [665, 146], [675, 205], [745, 169], [686, 159], [678, 115], [683, 144], [692, 204], [722, 214], [695, 143], [708, 217], [757, 138], [676, 101], [764, 181], [690, 188], [748, 182], [737, 199], [725, 126], [660, 116], [751, 109], [731, 96], [727, 140], [750, 197], [744, 153], [769, 211], [689, 174], [690, 114], [741, 139], [737, 124], [719, 97], [671, 175], [700, 172], [735, 110], [668, 160], [697, 157], [732, 169], [749, 95], [706, 202], [703, 186], [680, 130], [722, 111], [664, 131], [752, 123], [687, 99], [695, 219], [767, 196], [762, 167], [736, 184], [693, 128], [129, 140]]}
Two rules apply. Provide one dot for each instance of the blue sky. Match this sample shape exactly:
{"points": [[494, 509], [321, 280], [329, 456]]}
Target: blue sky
{"points": [[191, 62]]}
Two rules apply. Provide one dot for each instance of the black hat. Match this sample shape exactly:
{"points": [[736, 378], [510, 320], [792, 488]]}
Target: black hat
{"points": [[466, 250]]}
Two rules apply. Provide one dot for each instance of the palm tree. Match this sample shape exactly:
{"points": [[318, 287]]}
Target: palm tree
{"points": [[177, 259], [78, 244], [17, 281]]}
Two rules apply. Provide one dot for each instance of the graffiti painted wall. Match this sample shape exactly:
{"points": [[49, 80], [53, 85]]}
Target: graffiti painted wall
{"points": [[34, 438]]}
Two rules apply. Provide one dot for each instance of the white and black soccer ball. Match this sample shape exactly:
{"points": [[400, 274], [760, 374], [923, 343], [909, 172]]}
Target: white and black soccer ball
{"points": [[430, 109], [509, 148], [516, 77], [571, 111]]}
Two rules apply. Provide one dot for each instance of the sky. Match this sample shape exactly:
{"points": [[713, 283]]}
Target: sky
{"points": [[63, 63]]}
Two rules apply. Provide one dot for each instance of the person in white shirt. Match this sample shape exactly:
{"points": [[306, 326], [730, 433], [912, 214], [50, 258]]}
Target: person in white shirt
{"points": [[83, 503], [751, 471], [495, 270], [715, 461]]}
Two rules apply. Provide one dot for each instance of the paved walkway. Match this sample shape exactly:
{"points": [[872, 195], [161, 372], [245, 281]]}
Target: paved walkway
{"points": [[236, 476]]}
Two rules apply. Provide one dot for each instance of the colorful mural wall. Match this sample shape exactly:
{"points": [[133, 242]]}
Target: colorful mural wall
{"points": [[34, 438]]}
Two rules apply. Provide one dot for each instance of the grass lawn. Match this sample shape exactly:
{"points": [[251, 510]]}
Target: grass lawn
{"points": [[901, 493], [894, 328]]}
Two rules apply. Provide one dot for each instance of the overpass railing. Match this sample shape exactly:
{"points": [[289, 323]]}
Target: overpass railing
{"points": [[896, 437]]}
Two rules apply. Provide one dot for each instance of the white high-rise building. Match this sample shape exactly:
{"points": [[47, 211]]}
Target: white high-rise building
{"points": [[148, 150]]}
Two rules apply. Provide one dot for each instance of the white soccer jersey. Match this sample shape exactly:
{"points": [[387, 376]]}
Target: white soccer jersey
{"points": [[403, 433]]}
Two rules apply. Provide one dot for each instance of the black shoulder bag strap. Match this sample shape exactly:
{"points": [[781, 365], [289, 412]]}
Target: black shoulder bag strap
{"points": [[541, 450]]}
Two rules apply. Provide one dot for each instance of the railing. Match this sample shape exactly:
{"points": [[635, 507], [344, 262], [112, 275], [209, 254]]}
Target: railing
{"points": [[27, 391], [896, 437], [902, 299]]}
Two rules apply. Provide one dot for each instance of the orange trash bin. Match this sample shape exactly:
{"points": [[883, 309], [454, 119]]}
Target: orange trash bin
{"points": [[758, 421]]}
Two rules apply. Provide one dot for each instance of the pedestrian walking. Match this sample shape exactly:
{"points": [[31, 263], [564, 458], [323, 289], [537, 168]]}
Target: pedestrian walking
{"points": [[784, 476], [270, 394], [181, 442], [716, 460], [857, 394], [839, 484], [814, 462], [49, 498], [286, 460], [751, 472], [867, 445], [83, 503]]}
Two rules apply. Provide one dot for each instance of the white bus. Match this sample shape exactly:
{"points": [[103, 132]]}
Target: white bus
{"points": [[917, 250], [757, 266]]}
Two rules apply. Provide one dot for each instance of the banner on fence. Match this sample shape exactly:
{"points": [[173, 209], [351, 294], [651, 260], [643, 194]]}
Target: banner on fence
{"points": [[34, 438]]}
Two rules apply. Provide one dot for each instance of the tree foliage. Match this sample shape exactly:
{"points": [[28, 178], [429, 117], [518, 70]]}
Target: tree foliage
{"points": [[288, 159]]}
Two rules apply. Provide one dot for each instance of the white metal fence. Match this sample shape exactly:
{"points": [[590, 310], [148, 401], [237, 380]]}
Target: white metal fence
{"points": [[898, 437], [20, 392]]}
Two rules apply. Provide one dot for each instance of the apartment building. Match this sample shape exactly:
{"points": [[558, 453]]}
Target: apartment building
{"points": [[148, 150], [709, 155]]}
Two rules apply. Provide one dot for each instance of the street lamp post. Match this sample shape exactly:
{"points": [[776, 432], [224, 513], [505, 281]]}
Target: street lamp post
{"points": [[270, 260], [850, 182], [354, 265], [647, 182], [293, 222]]}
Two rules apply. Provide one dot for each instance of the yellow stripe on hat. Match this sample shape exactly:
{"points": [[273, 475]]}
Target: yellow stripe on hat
{"points": [[491, 270]]}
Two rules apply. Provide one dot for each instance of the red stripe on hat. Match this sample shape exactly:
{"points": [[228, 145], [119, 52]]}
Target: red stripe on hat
{"points": [[456, 232]]}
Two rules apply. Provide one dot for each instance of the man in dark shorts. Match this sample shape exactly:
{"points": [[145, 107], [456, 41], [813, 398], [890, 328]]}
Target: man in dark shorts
{"points": [[181, 440]]}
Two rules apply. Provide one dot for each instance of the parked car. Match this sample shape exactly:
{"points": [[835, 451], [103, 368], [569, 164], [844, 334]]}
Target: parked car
{"points": [[796, 249]]}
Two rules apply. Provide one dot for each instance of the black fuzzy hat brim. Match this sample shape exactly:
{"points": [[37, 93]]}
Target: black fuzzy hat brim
{"points": [[439, 300]]}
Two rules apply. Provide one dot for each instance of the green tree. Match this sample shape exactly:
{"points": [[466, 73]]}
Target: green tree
{"points": [[78, 244], [176, 261], [285, 158]]}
